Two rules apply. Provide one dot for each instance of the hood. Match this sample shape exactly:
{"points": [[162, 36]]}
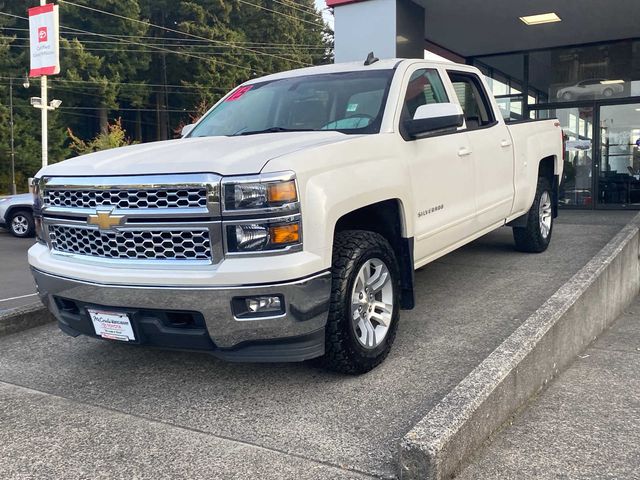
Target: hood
{"points": [[223, 155], [22, 198]]}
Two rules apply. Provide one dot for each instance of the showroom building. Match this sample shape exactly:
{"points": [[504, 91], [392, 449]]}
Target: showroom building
{"points": [[575, 60]]}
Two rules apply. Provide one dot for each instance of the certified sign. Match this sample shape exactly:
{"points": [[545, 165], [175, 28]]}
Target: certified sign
{"points": [[44, 28]]}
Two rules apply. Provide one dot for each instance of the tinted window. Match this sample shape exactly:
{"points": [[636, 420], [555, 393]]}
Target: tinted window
{"points": [[425, 87], [474, 103]]}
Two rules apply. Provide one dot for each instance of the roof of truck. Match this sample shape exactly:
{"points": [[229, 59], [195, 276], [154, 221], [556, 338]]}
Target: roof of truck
{"points": [[385, 64]]}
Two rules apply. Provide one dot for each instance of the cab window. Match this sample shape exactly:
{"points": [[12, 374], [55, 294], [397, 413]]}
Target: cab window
{"points": [[473, 100], [425, 87]]}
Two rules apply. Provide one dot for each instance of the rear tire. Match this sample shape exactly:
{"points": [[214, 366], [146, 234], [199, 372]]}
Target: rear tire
{"points": [[365, 300], [21, 224], [536, 235]]}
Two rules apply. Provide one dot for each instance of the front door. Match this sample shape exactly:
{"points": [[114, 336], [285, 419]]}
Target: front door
{"points": [[442, 173]]}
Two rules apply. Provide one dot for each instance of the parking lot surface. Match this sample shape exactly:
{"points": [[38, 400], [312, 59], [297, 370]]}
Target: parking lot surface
{"points": [[16, 284], [91, 408]]}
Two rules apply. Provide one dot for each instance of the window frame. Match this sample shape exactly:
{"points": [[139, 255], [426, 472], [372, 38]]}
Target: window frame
{"points": [[484, 98], [402, 99]]}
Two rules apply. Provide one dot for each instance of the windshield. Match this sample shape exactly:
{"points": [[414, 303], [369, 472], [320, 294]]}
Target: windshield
{"points": [[351, 102]]}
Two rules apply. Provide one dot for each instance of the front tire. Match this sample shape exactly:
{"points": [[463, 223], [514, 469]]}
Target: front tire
{"points": [[536, 235], [21, 224], [364, 310]]}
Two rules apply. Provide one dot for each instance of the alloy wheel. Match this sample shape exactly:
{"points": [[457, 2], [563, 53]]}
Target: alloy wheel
{"points": [[545, 214], [20, 224], [372, 303]]}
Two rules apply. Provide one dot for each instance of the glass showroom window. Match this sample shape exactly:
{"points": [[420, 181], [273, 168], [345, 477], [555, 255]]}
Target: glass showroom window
{"points": [[576, 188]]}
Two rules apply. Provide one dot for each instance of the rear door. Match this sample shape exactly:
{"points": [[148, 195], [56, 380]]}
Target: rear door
{"points": [[492, 149]]}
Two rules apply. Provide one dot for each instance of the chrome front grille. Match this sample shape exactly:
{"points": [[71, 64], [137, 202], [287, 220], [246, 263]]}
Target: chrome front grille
{"points": [[127, 198], [172, 244], [171, 220]]}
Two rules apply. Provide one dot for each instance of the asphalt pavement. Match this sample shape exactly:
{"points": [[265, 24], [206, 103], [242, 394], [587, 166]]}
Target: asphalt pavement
{"points": [[96, 409], [16, 284], [585, 425]]}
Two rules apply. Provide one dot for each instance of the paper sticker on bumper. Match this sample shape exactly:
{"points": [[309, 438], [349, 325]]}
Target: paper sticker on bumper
{"points": [[112, 325]]}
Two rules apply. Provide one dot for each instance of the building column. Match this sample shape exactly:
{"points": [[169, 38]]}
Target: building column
{"points": [[389, 28]]}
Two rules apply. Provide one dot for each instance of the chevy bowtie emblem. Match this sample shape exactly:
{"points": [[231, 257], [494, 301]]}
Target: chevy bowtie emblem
{"points": [[104, 220]]}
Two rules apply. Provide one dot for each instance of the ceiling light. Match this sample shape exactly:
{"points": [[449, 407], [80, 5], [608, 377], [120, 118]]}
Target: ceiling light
{"points": [[610, 82], [542, 18]]}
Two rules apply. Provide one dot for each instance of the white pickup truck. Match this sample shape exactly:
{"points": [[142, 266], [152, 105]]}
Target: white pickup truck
{"points": [[288, 222]]}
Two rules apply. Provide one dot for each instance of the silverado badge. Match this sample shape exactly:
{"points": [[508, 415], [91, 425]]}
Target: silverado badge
{"points": [[104, 220]]}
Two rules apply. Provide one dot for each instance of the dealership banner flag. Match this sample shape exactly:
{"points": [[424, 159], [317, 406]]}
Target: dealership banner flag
{"points": [[44, 30]]}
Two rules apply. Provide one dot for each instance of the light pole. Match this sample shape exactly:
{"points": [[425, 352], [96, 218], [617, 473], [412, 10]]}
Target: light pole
{"points": [[25, 84], [13, 151], [41, 104]]}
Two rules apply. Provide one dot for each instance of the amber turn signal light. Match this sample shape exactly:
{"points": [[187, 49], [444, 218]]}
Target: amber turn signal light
{"points": [[283, 192], [281, 234]]}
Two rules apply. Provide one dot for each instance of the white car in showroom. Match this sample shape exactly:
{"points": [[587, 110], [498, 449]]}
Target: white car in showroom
{"points": [[596, 87]]}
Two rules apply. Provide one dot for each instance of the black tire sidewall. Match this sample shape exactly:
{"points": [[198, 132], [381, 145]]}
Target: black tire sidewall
{"points": [[31, 228]]}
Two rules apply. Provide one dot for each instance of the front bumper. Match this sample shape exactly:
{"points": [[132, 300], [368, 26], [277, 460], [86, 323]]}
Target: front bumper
{"points": [[296, 335]]}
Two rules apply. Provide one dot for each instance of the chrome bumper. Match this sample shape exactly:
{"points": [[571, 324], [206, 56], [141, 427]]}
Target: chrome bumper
{"points": [[306, 306]]}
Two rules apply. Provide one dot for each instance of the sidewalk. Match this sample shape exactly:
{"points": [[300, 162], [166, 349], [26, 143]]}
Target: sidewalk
{"points": [[585, 426]]}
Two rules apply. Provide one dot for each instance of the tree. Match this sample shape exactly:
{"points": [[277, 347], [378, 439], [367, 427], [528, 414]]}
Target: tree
{"points": [[114, 137], [152, 78]]}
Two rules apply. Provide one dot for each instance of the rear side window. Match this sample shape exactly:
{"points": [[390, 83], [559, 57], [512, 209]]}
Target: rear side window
{"points": [[473, 100], [425, 87]]}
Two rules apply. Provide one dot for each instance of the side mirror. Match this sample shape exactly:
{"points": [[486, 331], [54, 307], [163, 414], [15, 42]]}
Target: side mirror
{"points": [[436, 117], [186, 130]]}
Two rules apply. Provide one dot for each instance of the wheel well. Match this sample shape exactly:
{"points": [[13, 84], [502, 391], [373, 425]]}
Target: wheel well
{"points": [[546, 170], [386, 218], [18, 208]]}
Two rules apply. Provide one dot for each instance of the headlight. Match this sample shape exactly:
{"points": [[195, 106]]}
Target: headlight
{"points": [[261, 237], [267, 193], [261, 213]]}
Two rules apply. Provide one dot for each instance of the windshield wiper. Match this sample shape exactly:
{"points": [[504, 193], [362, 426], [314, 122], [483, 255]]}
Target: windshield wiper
{"points": [[273, 130]]}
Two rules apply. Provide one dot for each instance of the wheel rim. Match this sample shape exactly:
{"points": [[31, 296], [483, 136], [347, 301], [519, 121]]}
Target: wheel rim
{"points": [[20, 224], [545, 215], [372, 303]]}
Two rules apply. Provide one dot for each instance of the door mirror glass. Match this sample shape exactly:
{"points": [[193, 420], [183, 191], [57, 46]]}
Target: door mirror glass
{"points": [[436, 117], [186, 130]]}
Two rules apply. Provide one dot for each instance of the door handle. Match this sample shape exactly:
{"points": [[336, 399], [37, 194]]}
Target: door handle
{"points": [[464, 152], [505, 143]]}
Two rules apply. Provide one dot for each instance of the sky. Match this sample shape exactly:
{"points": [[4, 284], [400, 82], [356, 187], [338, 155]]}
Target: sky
{"points": [[322, 6]]}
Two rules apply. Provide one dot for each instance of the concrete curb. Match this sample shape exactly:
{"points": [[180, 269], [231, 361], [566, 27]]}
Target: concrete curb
{"points": [[22, 318], [438, 445]]}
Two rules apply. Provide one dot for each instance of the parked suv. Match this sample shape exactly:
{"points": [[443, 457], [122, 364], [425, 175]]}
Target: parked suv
{"points": [[16, 215]]}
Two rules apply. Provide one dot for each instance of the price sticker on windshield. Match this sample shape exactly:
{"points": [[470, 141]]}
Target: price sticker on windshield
{"points": [[239, 93]]}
